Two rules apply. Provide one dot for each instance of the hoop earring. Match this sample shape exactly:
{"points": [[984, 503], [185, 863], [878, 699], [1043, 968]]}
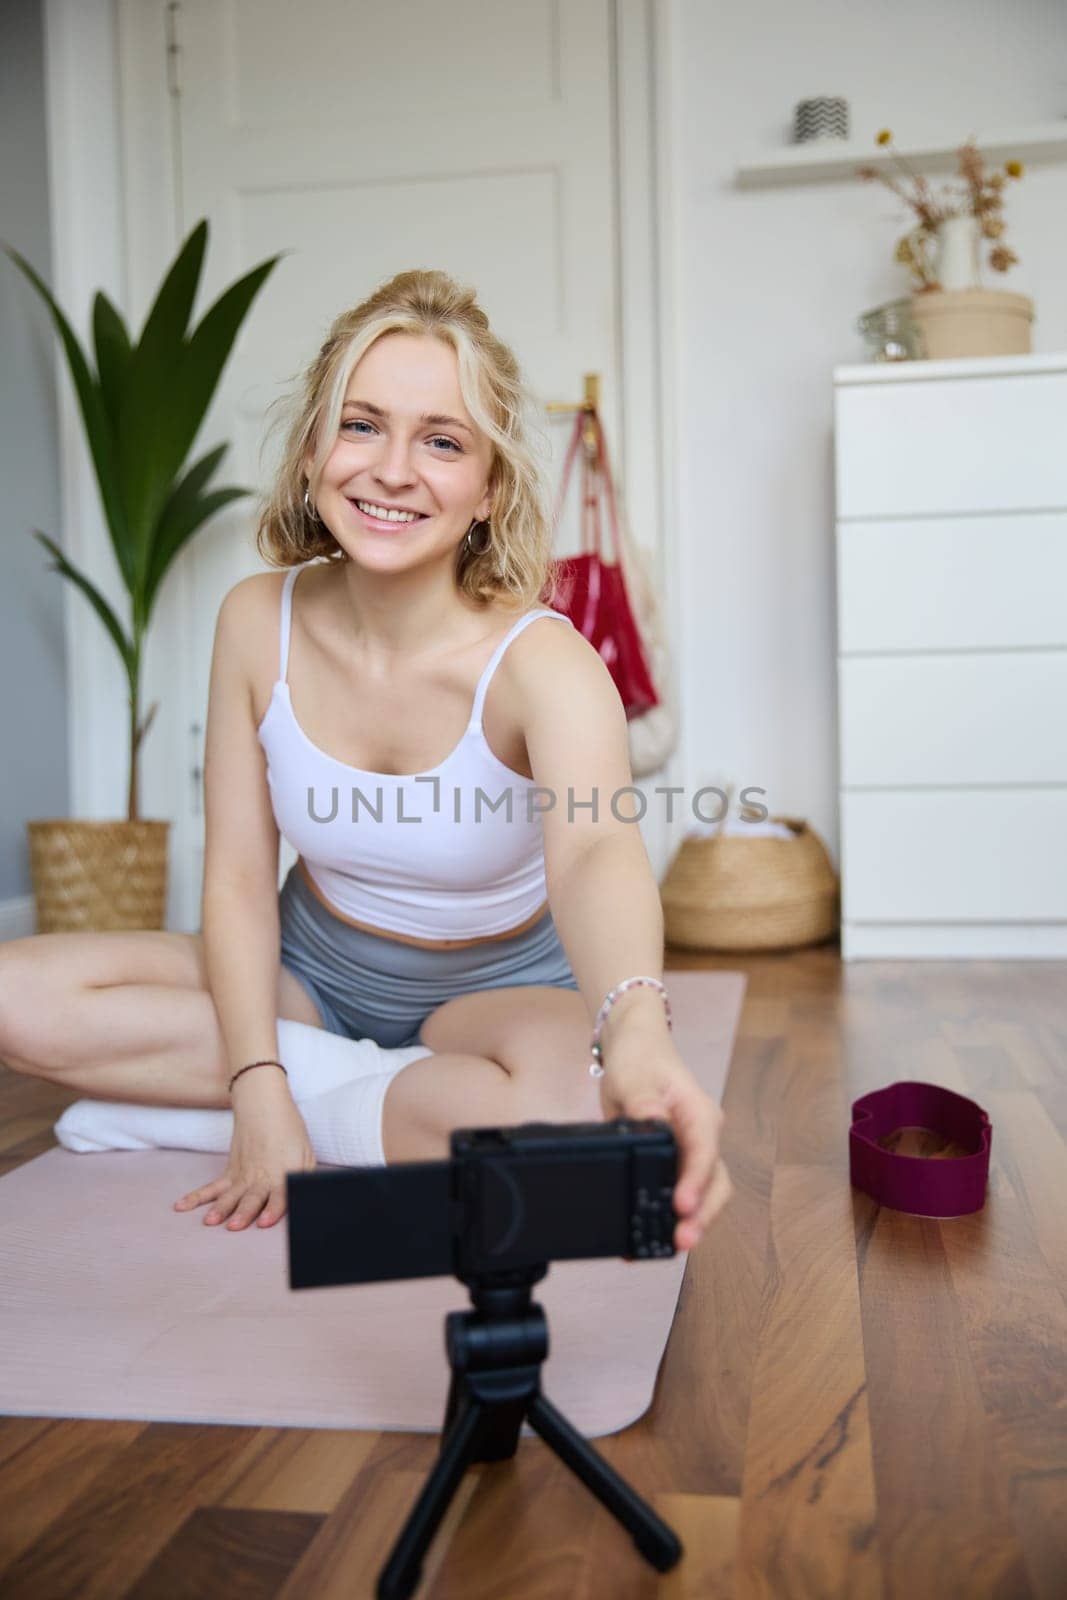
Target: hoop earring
{"points": [[309, 508], [479, 550]]}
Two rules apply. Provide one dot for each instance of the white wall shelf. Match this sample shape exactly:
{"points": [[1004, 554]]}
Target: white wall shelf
{"points": [[837, 158]]}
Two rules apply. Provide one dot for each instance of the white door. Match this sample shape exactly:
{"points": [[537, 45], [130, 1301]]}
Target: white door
{"points": [[365, 139]]}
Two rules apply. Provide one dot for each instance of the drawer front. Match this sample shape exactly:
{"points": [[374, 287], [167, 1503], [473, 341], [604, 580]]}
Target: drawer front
{"points": [[954, 719], [964, 444], [952, 583], [983, 856]]}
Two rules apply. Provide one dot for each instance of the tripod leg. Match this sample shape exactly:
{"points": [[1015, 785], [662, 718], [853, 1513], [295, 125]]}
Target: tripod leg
{"points": [[655, 1540], [399, 1577]]}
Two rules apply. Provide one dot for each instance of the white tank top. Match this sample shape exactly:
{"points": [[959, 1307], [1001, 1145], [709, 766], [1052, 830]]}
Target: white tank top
{"points": [[452, 853]]}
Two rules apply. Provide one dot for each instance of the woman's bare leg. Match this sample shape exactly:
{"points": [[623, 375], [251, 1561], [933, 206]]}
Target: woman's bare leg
{"points": [[122, 1016], [430, 1097], [505, 1057], [128, 1016]]}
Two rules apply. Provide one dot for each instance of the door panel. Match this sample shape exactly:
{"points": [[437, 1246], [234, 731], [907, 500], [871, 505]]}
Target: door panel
{"points": [[364, 140]]}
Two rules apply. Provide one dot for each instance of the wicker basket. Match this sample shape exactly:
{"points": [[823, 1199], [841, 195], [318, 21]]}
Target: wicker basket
{"points": [[726, 892], [90, 877]]}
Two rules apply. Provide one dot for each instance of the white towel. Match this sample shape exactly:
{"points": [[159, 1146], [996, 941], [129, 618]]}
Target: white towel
{"points": [[338, 1084]]}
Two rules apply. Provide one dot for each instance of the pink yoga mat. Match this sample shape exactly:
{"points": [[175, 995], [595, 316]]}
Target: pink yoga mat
{"points": [[116, 1306]]}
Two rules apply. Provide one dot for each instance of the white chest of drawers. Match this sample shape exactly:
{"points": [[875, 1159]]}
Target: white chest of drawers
{"points": [[951, 540]]}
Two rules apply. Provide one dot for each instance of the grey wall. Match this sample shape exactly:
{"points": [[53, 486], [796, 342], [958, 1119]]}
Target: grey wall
{"points": [[33, 698]]}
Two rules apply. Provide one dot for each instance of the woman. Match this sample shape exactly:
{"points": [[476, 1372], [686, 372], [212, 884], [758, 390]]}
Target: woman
{"points": [[361, 702]]}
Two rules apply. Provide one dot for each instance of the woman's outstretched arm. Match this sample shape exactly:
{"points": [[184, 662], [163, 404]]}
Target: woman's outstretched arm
{"points": [[605, 902]]}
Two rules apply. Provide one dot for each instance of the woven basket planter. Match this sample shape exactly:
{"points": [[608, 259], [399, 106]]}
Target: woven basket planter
{"points": [[90, 877], [726, 892]]}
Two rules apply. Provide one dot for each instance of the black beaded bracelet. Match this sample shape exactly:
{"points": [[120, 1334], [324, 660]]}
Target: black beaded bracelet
{"points": [[252, 1064]]}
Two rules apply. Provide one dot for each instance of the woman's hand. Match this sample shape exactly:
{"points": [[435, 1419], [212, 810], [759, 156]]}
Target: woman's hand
{"points": [[654, 1081], [268, 1142]]}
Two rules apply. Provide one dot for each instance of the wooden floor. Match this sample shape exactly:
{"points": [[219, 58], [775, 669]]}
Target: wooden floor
{"points": [[853, 1402]]}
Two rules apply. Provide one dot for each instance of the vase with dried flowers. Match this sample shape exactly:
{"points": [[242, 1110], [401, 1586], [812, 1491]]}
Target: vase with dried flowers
{"points": [[976, 204], [955, 314]]}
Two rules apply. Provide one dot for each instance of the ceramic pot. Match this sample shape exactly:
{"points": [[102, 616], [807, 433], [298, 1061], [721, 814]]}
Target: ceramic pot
{"points": [[972, 322]]}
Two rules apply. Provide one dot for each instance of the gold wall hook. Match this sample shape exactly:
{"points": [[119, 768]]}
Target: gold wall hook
{"points": [[590, 405]]}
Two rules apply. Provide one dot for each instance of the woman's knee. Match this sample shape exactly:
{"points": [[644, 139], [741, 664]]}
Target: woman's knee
{"points": [[559, 1098], [521, 1028], [539, 1039], [19, 1003], [41, 976]]}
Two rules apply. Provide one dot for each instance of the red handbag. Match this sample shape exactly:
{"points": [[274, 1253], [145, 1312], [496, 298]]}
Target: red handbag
{"points": [[591, 591]]}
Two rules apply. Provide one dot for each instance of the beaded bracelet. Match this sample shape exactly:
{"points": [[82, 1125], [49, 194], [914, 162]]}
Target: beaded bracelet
{"points": [[596, 1066], [252, 1064]]}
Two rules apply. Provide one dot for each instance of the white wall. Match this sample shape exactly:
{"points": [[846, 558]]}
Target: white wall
{"points": [[769, 283], [762, 289]]}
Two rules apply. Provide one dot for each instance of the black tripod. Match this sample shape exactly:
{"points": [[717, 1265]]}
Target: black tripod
{"points": [[495, 1352]]}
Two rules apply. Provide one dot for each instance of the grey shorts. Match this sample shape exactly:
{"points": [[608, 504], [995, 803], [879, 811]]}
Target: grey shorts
{"points": [[369, 987]]}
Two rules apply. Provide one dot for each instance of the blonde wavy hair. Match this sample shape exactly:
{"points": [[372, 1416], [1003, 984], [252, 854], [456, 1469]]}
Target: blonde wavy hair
{"points": [[516, 565]]}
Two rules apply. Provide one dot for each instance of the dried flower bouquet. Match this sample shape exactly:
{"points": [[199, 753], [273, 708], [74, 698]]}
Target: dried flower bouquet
{"points": [[980, 195]]}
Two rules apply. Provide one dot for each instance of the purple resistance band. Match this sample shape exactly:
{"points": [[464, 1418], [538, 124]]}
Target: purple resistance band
{"points": [[925, 1188]]}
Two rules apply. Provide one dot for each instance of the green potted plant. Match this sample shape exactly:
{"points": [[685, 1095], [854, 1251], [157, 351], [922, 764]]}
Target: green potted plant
{"points": [[142, 408]]}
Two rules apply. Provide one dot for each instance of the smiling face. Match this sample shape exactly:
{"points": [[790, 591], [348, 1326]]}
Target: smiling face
{"points": [[406, 443]]}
